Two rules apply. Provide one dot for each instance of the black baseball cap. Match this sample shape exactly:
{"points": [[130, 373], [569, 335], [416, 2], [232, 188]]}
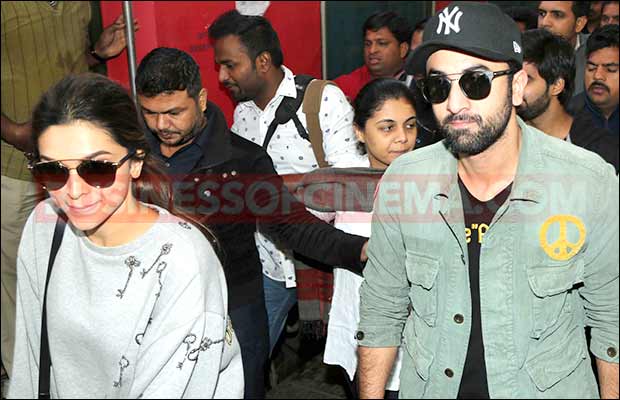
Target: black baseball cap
{"points": [[479, 29]]}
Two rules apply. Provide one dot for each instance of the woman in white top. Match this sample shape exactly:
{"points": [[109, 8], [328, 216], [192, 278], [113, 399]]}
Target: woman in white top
{"points": [[136, 303], [385, 122]]}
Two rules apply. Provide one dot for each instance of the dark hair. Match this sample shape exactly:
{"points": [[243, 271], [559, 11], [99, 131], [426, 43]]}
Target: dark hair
{"points": [[95, 99], [374, 94], [581, 8], [419, 26], [554, 58], [255, 32], [165, 70], [527, 15], [602, 37], [397, 25]]}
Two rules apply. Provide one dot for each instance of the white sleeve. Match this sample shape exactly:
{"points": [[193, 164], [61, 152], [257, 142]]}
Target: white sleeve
{"points": [[236, 120], [24, 381], [336, 119], [189, 350]]}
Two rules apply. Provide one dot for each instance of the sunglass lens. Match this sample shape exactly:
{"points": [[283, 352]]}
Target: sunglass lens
{"points": [[97, 173], [51, 175], [476, 85], [437, 89]]}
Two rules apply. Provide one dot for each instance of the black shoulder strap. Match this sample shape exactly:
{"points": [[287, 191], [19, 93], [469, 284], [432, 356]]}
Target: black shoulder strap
{"points": [[287, 110], [45, 361]]}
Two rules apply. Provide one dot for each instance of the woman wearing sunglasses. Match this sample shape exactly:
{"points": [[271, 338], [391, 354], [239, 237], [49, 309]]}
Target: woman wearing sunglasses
{"points": [[385, 123], [136, 301]]}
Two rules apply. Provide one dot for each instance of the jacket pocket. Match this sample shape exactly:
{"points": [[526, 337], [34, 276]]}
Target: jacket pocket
{"points": [[550, 366], [422, 272], [550, 285]]}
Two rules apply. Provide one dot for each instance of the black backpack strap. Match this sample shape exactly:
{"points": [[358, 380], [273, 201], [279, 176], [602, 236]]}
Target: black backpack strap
{"points": [[45, 361], [287, 110]]}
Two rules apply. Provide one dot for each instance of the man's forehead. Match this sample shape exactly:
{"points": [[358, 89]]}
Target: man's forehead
{"points": [[381, 33], [605, 54], [454, 61], [167, 99], [564, 6], [230, 45]]}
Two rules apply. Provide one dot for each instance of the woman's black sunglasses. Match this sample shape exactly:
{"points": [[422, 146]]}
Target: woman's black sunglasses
{"points": [[53, 175], [476, 85]]}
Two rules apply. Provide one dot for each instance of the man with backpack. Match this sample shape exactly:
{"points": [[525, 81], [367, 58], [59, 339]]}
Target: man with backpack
{"points": [[271, 113]]}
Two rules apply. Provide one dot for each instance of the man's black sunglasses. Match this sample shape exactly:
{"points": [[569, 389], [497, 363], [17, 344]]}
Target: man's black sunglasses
{"points": [[476, 85]]}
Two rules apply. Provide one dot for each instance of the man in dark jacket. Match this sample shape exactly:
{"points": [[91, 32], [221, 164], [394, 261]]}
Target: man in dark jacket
{"points": [[600, 100], [230, 184], [549, 63]]}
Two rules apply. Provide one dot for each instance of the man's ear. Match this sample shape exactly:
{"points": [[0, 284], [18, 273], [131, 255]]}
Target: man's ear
{"points": [[557, 87], [580, 23], [202, 99], [263, 62], [403, 48], [519, 81]]}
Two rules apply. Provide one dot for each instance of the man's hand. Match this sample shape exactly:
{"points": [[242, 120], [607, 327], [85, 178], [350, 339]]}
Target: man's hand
{"points": [[364, 256], [17, 135], [112, 40]]}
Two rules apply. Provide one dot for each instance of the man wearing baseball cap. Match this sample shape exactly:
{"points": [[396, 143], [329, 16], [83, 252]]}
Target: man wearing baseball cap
{"points": [[491, 250]]}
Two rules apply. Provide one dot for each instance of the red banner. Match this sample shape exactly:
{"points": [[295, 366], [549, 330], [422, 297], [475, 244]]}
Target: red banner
{"points": [[184, 24]]}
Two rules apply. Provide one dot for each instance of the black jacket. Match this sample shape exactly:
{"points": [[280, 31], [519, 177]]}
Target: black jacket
{"points": [[584, 133], [231, 184]]}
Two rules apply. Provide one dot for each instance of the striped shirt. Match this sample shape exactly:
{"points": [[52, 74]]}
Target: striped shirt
{"points": [[40, 45]]}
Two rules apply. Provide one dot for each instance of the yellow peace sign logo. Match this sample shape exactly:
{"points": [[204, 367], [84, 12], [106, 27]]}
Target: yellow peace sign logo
{"points": [[562, 249]]}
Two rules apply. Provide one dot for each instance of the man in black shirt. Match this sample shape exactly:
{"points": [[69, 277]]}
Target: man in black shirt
{"points": [[549, 63], [230, 185]]}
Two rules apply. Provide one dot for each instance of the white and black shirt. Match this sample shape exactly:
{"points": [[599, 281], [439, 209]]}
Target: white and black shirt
{"points": [[291, 154]]}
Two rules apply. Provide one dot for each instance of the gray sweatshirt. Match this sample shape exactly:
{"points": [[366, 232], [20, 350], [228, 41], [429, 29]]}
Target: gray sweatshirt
{"points": [[145, 319]]}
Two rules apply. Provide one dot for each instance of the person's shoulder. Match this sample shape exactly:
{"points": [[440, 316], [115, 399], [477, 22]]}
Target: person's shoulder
{"points": [[559, 155], [195, 250], [43, 217], [180, 232], [244, 148], [428, 159]]}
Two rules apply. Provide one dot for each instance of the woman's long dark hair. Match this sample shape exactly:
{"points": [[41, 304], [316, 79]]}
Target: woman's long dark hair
{"points": [[95, 99]]}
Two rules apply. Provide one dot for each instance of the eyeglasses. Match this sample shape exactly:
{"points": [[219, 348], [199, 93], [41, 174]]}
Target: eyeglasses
{"points": [[476, 85], [53, 175]]}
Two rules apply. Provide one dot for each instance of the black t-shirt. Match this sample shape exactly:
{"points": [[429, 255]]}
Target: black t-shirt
{"points": [[478, 217]]}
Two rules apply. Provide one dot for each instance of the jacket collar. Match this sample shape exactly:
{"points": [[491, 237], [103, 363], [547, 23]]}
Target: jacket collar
{"points": [[529, 179]]}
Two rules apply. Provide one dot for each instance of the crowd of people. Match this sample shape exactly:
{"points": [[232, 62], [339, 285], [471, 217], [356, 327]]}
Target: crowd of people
{"points": [[151, 250]]}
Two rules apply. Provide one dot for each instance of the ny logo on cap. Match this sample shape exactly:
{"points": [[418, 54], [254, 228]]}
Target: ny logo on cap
{"points": [[449, 21]]}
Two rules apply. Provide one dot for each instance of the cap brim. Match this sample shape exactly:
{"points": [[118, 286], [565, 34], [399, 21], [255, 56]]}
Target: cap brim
{"points": [[417, 62]]}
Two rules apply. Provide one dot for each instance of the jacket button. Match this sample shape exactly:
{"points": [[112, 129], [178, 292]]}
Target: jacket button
{"points": [[458, 318], [611, 352], [449, 373], [359, 335]]}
